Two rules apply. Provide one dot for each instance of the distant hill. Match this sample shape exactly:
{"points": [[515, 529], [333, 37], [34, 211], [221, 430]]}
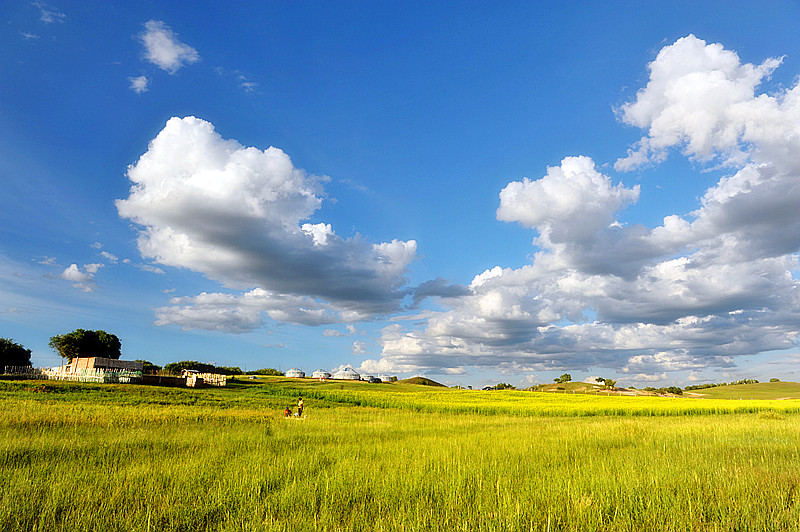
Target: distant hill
{"points": [[762, 390], [421, 380]]}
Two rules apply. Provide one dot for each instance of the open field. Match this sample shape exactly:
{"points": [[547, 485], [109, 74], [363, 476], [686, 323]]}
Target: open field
{"points": [[764, 390], [116, 457]]}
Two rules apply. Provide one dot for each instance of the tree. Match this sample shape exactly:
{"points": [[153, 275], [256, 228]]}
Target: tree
{"points": [[148, 367], [566, 377], [266, 371], [13, 354], [176, 368], [81, 343], [609, 383]]}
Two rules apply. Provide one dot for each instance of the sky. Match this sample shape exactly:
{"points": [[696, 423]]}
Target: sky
{"points": [[475, 192]]}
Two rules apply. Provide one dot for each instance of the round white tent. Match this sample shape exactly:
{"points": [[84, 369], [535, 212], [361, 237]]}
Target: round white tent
{"points": [[347, 374]]}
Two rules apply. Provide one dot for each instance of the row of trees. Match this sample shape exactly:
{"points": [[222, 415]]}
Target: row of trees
{"points": [[733, 383], [85, 343], [78, 343]]}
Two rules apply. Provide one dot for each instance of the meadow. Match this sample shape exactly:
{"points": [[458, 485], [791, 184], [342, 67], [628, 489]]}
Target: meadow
{"points": [[390, 457]]}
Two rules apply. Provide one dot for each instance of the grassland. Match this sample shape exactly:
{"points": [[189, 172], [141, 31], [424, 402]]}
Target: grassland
{"points": [[764, 390], [116, 457]]}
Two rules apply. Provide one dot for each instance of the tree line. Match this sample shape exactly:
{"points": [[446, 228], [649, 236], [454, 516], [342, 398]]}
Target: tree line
{"points": [[87, 343]]}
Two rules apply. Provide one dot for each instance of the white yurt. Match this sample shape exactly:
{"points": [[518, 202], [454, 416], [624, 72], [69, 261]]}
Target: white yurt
{"points": [[385, 378], [366, 377], [296, 373], [346, 374], [320, 374]]}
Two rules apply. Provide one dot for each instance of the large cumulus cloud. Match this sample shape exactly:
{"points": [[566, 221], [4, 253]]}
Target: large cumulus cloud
{"points": [[693, 293], [242, 216]]}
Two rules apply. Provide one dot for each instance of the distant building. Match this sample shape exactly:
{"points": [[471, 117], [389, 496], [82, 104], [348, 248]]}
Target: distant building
{"points": [[366, 377], [321, 374], [347, 374], [387, 378], [296, 373]]}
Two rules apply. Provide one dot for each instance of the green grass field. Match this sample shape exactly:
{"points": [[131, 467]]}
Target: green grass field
{"points": [[764, 390], [390, 457]]}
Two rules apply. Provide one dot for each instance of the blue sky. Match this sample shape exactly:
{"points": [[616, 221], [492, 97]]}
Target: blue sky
{"points": [[473, 192]]}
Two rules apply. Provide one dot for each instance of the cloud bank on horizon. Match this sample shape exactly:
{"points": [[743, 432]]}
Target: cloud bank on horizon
{"points": [[695, 292]]}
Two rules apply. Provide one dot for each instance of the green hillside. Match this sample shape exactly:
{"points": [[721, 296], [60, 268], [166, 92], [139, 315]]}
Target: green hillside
{"points": [[423, 381], [763, 390]]}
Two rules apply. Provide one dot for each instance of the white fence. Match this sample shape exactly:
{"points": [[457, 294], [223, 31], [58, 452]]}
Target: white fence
{"points": [[25, 371], [214, 379], [81, 375], [94, 375], [62, 373]]}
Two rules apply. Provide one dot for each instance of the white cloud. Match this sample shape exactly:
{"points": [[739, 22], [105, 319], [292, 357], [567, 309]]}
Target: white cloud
{"points": [[572, 202], [246, 84], [149, 268], [110, 257], [333, 333], [239, 216], [83, 280], [92, 268], [694, 293], [359, 348], [163, 49], [49, 14], [139, 84], [701, 97]]}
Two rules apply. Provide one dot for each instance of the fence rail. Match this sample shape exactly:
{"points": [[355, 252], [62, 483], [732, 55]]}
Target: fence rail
{"points": [[214, 379], [94, 375], [99, 375], [25, 371]]}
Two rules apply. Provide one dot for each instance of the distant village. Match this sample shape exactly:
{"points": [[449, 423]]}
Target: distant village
{"points": [[188, 373], [346, 374]]}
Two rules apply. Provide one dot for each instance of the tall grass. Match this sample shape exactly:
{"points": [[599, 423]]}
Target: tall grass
{"points": [[79, 465], [517, 403]]}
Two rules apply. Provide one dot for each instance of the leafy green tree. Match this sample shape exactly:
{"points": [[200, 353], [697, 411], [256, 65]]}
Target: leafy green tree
{"points": [[266, 371], [81, 343], [609, 383], [566, 377], [13, 354], [228, 370], [148, 367], [177, 367], [774, 379]]}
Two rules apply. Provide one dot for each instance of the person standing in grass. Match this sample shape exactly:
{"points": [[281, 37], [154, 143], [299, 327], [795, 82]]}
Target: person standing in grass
{"points": [[300, 406]]}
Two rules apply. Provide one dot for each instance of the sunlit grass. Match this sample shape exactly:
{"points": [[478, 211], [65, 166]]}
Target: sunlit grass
{"points": [[107, 458]]}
